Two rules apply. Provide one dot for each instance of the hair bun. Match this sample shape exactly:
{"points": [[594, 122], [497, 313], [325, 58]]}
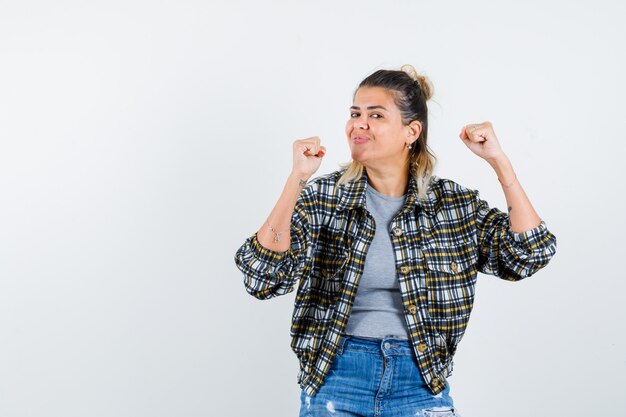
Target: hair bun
{"points": [[423, 81]]}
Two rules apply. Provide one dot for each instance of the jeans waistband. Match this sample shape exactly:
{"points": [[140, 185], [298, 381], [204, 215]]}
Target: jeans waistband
{"points": [[390, 344]]}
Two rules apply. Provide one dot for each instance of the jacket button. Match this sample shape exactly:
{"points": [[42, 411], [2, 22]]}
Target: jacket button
{"points": [[422, 347], [453, 266], [412, 309], [397, 231], [404, 269]]}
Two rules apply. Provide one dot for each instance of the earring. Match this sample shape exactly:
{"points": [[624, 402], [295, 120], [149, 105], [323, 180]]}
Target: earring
{"points": [[409, 146]]}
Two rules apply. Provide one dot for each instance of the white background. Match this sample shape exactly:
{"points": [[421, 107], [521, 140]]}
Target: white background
{"points": [[142, 142]]}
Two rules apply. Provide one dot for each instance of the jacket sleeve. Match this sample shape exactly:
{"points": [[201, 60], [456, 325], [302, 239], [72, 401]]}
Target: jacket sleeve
{"points": [[507, 254], [268, 273]]}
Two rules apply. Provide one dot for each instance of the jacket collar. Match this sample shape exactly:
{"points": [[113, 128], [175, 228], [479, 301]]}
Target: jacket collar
{"points": [[353, 195]]}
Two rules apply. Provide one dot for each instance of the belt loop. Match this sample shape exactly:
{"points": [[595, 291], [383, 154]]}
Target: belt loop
{"points": [[341, 344]]}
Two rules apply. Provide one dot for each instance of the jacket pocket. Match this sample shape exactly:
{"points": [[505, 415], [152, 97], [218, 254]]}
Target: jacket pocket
{"points": [[332, 268], [323, 320], [450, 278], [445, 335]]}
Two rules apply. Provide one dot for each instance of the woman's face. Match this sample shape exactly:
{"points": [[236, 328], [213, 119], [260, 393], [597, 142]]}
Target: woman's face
{"points": [[374, 130]]}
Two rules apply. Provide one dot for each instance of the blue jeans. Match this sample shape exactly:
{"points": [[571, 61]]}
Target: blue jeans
{"points": [[375, 378]]}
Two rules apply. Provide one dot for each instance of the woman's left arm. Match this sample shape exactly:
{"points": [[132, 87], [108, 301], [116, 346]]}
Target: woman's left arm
{"points": [[522, 215], [514, 245], [481, 139]]}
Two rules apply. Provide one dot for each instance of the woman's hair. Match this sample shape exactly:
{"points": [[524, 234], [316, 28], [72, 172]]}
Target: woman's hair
{"points": [[410, 91]]}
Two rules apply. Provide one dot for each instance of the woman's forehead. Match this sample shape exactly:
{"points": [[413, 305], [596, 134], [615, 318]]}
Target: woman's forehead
{"points": [[373, 96]]}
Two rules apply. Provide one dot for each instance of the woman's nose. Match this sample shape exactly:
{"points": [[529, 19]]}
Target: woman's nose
{"points": [[360, 123]]}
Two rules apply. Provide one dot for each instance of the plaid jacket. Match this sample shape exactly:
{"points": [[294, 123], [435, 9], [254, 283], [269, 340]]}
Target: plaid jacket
{"points": [[440, 244]]}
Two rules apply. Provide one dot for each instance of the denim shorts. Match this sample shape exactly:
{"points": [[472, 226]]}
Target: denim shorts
{"points": [[375, 378]]}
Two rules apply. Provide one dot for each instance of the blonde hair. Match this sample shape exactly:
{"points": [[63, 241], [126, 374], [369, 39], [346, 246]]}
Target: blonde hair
{"points": [[411, 91]]}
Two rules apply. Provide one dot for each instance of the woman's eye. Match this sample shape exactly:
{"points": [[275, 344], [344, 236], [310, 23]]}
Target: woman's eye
{"points": [[375, 115]]}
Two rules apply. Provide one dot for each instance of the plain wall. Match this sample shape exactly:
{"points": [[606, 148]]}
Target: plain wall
{"points": [[142, 142]]}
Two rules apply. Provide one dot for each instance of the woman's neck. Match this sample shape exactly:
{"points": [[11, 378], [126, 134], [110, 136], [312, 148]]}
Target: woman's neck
{"points": [[388, 182]]}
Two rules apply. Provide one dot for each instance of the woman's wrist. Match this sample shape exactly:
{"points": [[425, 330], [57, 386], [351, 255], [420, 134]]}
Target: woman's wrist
{"points": [[299, 178], [504, 170]]}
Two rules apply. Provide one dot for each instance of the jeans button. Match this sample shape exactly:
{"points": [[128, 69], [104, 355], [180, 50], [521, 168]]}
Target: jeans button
{"points": [[387, 345]]}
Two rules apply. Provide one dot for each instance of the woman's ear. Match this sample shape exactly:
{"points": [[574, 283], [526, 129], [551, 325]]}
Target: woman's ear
{"points": [[415, 129]]}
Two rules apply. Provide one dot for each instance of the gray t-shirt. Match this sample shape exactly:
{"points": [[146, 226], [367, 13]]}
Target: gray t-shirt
{"points": [[377, 310]]}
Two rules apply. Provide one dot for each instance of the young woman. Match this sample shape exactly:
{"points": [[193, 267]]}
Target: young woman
{"points": [[386, 256]]}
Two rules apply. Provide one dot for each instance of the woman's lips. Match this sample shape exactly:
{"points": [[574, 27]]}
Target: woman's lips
{"points": [[359, 139]]}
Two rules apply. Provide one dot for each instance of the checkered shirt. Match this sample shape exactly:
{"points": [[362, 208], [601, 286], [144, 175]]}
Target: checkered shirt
{"points": [[440, 243]]}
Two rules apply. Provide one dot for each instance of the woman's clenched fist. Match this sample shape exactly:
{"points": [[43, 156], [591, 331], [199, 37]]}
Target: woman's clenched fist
{"points": [[307, 156]]}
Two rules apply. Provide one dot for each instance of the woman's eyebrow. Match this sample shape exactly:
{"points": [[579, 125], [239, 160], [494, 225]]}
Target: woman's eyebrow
{"points": [[369, 108]]}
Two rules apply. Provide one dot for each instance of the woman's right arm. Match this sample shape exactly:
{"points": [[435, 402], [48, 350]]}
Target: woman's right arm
{"points": [[280, 218], [270, 258], [305, 162]]}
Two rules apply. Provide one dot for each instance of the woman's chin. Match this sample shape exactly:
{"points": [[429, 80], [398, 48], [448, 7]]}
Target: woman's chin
{"points": [[358, 156]]}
